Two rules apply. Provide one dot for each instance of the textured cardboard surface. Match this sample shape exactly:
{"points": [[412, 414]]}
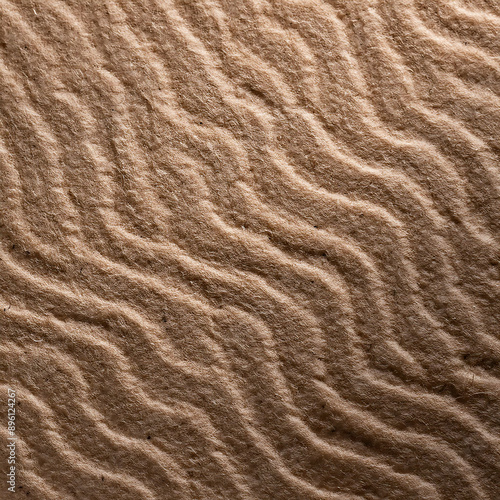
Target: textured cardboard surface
{"points": [[250, 249]]}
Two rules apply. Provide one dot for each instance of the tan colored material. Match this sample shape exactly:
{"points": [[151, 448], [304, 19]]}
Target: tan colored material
{"points": [[250, 249]]}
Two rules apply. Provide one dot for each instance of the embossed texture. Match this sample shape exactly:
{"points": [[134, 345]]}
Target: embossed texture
{"points": [[250, 249]]}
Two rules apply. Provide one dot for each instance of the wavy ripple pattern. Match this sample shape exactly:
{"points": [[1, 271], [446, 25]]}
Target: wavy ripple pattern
{"points": [[250, 250]]}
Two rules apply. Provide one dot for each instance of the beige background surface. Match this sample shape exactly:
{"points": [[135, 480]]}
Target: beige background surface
{"points": [[249, 250]]}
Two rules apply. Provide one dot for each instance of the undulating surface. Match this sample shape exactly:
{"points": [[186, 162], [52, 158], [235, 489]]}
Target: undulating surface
{"points": [[250, 249]]}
